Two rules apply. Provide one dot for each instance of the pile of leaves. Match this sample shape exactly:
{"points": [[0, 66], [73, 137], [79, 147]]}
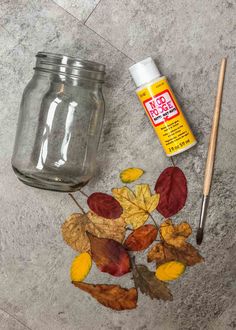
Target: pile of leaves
{"points": [[115, 228]]}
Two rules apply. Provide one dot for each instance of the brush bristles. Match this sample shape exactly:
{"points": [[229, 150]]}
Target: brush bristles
{"points": [[199, 237]]}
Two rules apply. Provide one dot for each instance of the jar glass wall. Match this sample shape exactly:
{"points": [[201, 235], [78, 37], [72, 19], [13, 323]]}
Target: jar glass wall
{"points": [[59, 123]]}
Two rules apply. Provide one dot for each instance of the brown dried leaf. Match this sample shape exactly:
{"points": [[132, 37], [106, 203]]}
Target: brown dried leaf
{"points": [[175, 235], [162, 253], [74, 232], [148, 284], [106, 228], [112, 296], [75, 227]]}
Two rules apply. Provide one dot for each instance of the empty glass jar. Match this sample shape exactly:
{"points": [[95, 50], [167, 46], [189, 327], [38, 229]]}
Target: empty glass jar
{"points": [[60, 123]]}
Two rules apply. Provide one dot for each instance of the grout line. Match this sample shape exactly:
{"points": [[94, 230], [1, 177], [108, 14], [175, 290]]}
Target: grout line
{"points": [[92, 11], [55, 3], [12, 316], [120, 51], [113, 46], [4, 28]]}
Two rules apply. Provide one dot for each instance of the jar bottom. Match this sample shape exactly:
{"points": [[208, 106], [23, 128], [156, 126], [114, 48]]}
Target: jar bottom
{"points": [[60, 185]]}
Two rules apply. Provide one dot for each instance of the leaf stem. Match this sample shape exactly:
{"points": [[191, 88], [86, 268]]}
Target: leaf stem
{"points": [[153, 220], [83, 193], [80, 207], [133, 269], [132, 259], [172, 160]]}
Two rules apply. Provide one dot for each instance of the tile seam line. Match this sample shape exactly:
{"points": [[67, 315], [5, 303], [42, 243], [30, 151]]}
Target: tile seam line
{"points": [[94, 30], [3, 27], [16, 319], [120, 51], [92, 12]]}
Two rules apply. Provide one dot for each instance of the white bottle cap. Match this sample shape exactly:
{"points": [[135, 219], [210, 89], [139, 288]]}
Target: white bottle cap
{"points": [[144, 71]]}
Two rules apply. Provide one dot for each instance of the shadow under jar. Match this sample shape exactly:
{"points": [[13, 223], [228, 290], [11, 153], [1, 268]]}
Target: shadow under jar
{"points": [[60, 123]]}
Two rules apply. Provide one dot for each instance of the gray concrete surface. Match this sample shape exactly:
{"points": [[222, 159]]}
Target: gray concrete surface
{"points": [[187, 39]]}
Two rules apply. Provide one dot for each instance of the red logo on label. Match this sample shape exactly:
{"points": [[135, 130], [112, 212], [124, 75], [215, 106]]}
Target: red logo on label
{"points": [[161, 108]]}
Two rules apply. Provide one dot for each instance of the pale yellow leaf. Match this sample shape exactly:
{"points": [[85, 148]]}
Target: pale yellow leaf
{"points": [[125, 197], [148, 202], [136, 219], [138, 205], [131, 174]]}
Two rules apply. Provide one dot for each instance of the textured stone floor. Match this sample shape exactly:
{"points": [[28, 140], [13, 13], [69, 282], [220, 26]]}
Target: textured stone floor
{"points": [[187, 39]]}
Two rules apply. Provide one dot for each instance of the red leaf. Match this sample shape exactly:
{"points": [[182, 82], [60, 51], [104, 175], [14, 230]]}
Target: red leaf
{"points": [[110, 256], [104, 205], [141, 238], [172, 187]]}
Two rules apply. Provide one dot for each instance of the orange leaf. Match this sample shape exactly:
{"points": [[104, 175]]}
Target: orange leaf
{"points": [[112, 296], [141, 238], [110, 256]]}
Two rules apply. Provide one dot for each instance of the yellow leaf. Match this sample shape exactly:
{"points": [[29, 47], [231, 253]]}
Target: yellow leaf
{"points": [[131, 174], [148, 201], [170, 271], [175, 235], [137, 206], [80, 267]]}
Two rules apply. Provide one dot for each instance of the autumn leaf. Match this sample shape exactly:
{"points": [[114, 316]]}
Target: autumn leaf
{"points": [[80, 267], [110, 256], [74, 232], [112, 296], [170, 271], [162, 252], [148, 284], [106, 228], [141, 238], [131, 174], [172, 187], [76, 225], [104, 205], [175, 235], [136, 205]]}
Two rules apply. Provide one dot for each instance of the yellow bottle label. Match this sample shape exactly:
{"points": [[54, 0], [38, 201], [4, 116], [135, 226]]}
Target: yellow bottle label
{"points": [[166, 117]]}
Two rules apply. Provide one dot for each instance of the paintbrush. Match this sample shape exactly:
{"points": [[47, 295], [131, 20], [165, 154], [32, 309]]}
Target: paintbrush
{"points": [[211, 153]]}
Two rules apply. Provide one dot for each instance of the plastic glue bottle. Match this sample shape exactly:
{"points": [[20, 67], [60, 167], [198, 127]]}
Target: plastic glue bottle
{"points": [[162, 108]]}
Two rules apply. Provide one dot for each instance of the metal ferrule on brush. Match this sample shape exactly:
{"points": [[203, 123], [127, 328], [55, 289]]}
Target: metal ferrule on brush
{"points": [[203, 214]]}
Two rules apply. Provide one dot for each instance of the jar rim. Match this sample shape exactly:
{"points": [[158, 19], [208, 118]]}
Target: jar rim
{"points": [[73, 61], [69, 65]]}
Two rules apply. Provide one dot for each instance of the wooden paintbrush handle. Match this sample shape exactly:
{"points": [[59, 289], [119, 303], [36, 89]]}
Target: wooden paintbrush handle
{"points": [[214, 132]]}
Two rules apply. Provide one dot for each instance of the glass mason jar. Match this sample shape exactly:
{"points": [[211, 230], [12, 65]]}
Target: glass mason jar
{"points": [[59, 123]]}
